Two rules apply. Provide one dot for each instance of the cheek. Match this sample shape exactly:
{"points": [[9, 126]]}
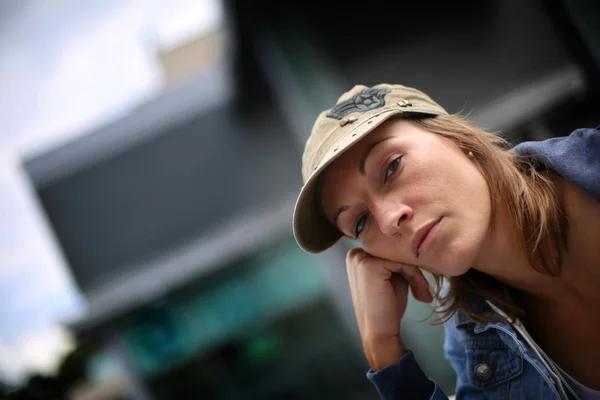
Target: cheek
{"points": [[466, 191], [477, 202], [374, 246], [465, 237], [388, 248]]}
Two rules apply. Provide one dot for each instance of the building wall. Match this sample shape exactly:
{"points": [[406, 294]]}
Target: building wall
{"points": [[192, 58], [161, 193]]}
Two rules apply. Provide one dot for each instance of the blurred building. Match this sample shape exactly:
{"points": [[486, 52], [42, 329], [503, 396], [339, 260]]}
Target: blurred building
{"points": [[176, 220], [192, 58]]}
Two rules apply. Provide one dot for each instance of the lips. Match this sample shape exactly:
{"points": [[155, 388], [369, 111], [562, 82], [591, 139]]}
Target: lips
{"points": [[423, 237]]}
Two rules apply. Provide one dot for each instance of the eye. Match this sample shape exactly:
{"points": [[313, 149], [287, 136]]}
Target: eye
{"points": [[391, 168], [360, 225]]}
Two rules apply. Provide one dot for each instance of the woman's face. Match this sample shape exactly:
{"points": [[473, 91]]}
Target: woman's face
{"points": [[410, 196]]}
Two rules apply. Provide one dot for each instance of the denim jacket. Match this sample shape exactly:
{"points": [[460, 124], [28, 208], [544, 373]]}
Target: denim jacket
{"points": [[492, 360]]}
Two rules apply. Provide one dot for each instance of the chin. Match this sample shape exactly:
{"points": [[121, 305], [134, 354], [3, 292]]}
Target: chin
{"points": [[457, 259], [448, 269], [456, 270]]}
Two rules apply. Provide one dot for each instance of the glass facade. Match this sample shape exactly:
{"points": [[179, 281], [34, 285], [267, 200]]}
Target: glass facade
{"points": [[264, 328]]}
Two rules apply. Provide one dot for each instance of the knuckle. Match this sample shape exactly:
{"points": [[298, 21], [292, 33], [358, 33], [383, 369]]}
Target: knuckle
{"points": [[363, 264], [352, 253]]}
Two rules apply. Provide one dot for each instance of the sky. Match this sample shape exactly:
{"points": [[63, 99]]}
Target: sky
{"points": [[66, 66]]}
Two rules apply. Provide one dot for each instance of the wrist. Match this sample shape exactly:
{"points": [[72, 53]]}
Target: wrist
{"points": [[381, 352]]}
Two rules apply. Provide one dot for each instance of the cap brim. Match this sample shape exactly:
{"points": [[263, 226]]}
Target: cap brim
{"points": [[312, 231]]}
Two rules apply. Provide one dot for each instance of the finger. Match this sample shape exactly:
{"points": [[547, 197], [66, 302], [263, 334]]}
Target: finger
{"points": [[356, 255], [415, 278], [401, 286], [423, 295], [420, 289], [353, 259]]}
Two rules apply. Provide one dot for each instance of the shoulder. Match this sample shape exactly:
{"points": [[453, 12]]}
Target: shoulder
{"points": [[581, 143], [575, 157]]}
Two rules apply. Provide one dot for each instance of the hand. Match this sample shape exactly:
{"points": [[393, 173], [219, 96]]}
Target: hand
{"points": [[379, 293]]}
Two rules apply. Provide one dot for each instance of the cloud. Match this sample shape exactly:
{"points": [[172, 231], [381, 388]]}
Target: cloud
{"points": [[69, 68], [190, 17], [11, 367], [34, 280], [95, 70], [38, 351], [41, 350]]}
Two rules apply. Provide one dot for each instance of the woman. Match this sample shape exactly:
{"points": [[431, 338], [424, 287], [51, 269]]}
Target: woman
{"points": [[511, 236]]}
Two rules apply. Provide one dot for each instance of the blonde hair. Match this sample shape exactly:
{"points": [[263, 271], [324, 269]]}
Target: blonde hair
{"points": [[523, 185]]}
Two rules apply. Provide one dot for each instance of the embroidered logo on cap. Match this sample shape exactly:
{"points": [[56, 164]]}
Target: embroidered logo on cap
{"points": [[368, 99]]}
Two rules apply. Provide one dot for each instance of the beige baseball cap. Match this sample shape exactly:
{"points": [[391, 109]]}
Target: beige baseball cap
{"points": [[357, 113]]}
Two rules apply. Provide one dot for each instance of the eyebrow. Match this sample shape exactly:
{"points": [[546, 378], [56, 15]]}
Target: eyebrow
{"points": [[361, 169]]}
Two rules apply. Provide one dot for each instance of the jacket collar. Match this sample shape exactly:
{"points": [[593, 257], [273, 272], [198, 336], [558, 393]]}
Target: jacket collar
{"points": [[482, 307]]}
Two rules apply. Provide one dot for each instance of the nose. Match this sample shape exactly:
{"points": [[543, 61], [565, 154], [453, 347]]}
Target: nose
{"points": [[391, 216]]}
